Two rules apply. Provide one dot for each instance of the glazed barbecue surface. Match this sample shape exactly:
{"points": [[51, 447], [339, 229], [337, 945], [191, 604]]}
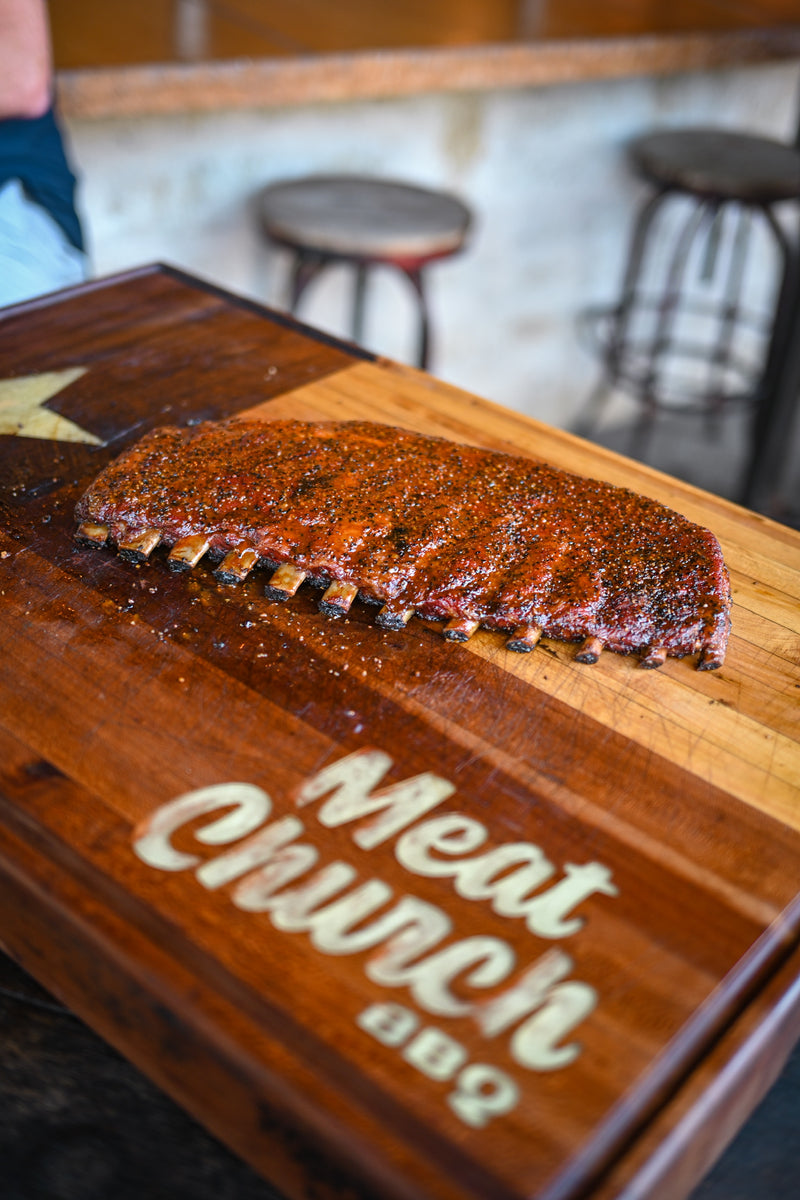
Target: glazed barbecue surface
{"points": [[420, 525]]}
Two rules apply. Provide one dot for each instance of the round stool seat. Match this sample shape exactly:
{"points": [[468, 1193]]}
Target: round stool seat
{"points": [[719, 164], [364, 218]]}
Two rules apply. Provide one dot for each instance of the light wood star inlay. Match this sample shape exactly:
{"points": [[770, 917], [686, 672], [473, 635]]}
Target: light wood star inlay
{"points": [[22, 411]]}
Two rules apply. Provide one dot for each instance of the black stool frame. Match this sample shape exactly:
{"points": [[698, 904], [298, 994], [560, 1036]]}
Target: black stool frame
{"points": [[626, 364], [307, 264]]}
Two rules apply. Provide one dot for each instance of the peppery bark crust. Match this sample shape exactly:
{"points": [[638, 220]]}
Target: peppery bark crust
{"points": [[421, 525]]}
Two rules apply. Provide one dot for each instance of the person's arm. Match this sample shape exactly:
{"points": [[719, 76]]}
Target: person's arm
{"points": [[25, 61]]}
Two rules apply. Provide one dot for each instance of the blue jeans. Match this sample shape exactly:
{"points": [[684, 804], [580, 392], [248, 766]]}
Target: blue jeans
{"points": [[35, 254]]}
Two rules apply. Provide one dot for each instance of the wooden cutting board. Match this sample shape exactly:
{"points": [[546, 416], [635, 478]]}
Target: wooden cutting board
{"points": [[392, 915]]}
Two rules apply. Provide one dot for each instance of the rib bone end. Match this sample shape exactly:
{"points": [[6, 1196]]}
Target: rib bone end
{"points": [[236, 565], [137, 547], [590, 651], [90, 534], [394, 618], [656, 657], [284, 583], [524, 639], [709, 661], [187, 552], [336, 599], [460, 629]]}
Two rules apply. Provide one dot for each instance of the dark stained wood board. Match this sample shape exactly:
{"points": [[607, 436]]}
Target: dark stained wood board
{"points": [[123, 688], [689, 1134]]}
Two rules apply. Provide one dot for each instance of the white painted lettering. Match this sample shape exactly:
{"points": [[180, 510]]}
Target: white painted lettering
{"points": [[286, 863], [535, 1043], [482, 1092], [451, 834], [406, 935], [390, 1024], [352, 779], [557, 1007], [485, 961], [262, 848], [292, 910], [411, 928], [435, 1054], [546, 914], [152, 843], [528, 993], [477, 878]]}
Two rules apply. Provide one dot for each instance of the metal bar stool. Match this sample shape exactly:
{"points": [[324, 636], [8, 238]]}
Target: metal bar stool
{"points": [[704, 349], [365, 222]]}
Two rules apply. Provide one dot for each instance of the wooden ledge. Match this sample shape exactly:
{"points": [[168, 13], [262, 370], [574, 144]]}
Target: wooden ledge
{"points": [[158, 89]]}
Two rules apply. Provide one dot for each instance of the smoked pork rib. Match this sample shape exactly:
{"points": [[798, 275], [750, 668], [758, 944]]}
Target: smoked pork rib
{"points": [[420, 525]]}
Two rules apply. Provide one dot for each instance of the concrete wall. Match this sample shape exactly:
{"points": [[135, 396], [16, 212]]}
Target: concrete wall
{"points": [[543, 169]]}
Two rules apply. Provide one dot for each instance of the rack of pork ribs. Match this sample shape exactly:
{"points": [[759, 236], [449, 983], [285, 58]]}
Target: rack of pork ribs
{"points": [[420, 525]]}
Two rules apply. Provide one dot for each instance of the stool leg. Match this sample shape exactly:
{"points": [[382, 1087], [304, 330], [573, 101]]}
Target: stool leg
{"points": [[414, 274], [585, 423], [672, 294], [778, 393], [722, 351], [648, 392], [642, 432], [359, 298], [613, 351], [782, 317], [630, 281], [305, 267]]}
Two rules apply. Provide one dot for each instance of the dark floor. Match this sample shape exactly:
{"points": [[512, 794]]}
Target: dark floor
{"points": [[763, 1163], [80, 1123], [712, 456]]}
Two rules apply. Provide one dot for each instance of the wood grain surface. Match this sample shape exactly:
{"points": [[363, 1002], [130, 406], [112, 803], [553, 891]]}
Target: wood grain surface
{"points": [[150, 31], [245, 83], [241, 55], [595, 869]]}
